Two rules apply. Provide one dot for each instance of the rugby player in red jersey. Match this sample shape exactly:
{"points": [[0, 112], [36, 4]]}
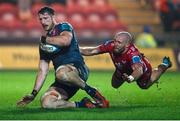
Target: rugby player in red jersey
{"points": [[131, 65]]}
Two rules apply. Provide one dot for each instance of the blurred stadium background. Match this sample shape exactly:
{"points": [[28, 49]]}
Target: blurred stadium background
{"points": [[94, 22]]}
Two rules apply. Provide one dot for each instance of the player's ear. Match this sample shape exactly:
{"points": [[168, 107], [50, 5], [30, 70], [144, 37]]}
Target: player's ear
{"points": [[54, 18], [127, 43]]}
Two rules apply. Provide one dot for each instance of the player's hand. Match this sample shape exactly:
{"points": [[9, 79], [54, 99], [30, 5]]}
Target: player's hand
{"points": [[128, 78], [125, 76], [25, 100]]}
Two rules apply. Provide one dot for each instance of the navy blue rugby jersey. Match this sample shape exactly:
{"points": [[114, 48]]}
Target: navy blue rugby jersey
{"points": [[61, 55]]}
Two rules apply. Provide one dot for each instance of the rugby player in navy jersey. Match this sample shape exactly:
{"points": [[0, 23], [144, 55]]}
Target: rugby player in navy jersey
{"points": [[130, 64], [60, 46]]}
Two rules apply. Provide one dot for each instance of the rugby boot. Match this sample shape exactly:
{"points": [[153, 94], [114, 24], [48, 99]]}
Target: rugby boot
{"points": [[166, 62], [87, 103], [100, 100]]}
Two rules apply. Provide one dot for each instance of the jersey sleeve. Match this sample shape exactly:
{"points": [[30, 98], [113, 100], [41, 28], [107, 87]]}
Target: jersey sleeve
{"points": [[66, 27], [106, 47], [134, 58], [42, 55]]}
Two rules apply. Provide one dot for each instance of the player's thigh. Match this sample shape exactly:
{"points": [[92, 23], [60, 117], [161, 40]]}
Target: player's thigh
{"points": [[63, 70], [144, 82], [117, 79], [78, 69], [156, 73]]}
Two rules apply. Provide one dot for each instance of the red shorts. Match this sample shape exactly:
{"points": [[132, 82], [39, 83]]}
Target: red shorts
{"points": [[145, 78]]}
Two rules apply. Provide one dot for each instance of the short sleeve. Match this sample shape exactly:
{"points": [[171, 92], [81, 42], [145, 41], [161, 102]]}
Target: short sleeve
{"points": [[134, 58], [66, 27]]}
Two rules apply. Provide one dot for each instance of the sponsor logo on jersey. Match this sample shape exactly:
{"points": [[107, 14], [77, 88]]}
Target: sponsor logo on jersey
{"points": [[48, 48]]}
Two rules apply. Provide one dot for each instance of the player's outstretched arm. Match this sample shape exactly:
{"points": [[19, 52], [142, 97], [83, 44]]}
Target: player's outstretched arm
{"points": [[40, 78], [89, 51]]}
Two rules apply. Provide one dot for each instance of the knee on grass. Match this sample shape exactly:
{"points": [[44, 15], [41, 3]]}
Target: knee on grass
{"points": [[117, 83], [144, 86], [48, 102], [115, 86]]}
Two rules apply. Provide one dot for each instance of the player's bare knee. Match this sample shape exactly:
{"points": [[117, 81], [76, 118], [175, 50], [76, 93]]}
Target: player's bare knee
{"points": [[44, 102], [48, 99], [47, 102], [116, 83], [66, 73], [62, 74]]}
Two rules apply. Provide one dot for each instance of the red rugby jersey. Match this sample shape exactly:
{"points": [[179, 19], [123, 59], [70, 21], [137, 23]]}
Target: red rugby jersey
{"points": [[123, 62]]}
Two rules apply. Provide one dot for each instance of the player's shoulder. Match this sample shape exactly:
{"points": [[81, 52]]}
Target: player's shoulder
{"points": [[108, 42], [132, 49], [64, 26]]}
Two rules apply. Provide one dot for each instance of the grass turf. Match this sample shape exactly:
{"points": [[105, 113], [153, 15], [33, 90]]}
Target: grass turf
{"points": [[127, 102]]}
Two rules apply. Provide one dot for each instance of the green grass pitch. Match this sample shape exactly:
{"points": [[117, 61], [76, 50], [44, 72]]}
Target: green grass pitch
{"points": [[127, 102]]}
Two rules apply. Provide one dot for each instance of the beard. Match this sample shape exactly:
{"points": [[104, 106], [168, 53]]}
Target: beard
{"points": [[48, 28], [119, 50]]}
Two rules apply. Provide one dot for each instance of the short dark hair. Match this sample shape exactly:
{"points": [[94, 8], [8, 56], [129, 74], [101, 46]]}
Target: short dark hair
{"points": [[46, 9]]}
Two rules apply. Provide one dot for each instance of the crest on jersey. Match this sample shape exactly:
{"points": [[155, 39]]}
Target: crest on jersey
{"points": [[136, 59]]}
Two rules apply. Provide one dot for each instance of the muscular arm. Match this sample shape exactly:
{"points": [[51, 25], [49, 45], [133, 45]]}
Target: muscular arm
{"points": [[64, 39], [41, 76], [89, 51], [42, 73], [137, 70]]}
